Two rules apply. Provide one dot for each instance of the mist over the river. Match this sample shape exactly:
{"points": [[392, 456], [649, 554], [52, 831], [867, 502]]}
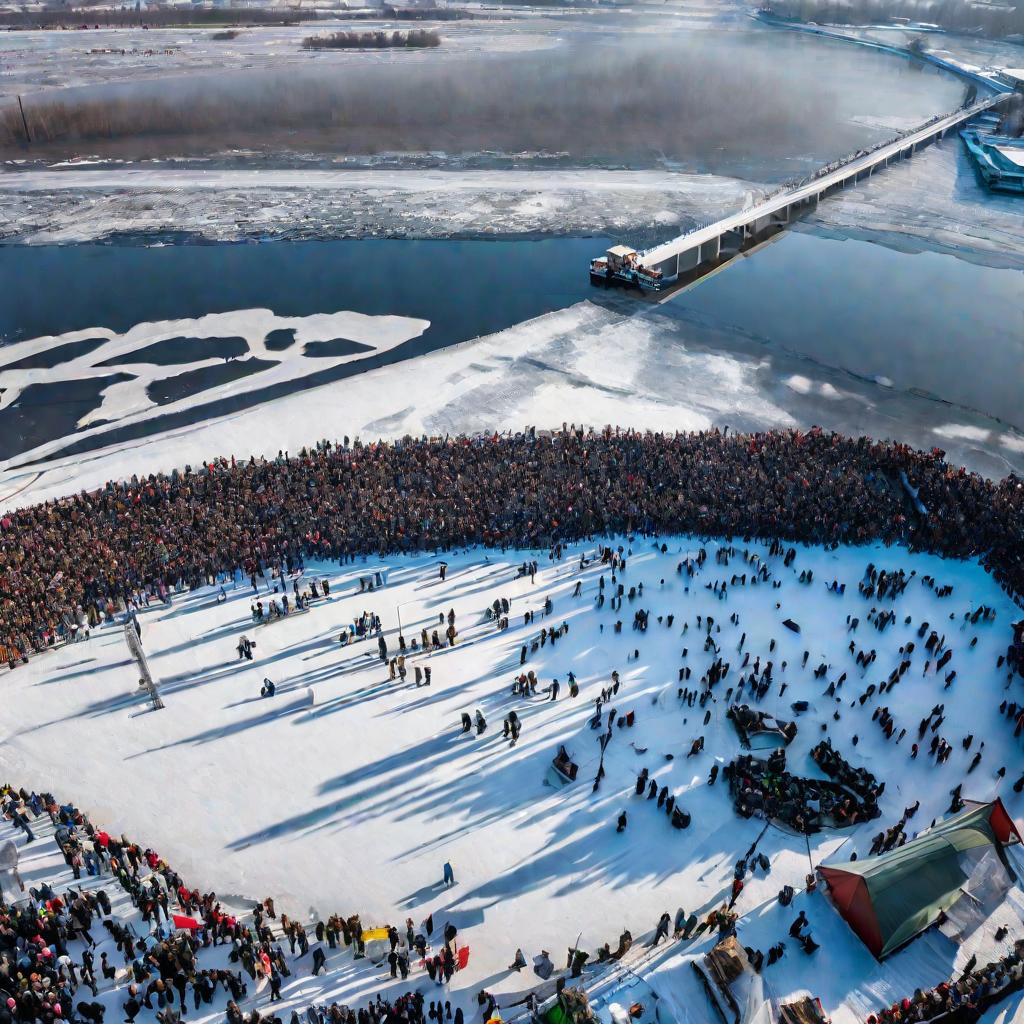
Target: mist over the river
{"points": [[706, 99]]}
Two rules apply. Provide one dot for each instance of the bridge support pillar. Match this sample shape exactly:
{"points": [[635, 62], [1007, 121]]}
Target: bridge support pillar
{"points": [[689, 260], [710, 251], [732, 241], [669, 267]]}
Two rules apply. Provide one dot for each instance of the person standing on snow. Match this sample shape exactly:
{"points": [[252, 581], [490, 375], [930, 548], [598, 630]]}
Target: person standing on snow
{"points": [[319, 959], [449, 874]]}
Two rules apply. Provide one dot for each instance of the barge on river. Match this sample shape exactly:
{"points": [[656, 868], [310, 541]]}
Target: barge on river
{"points": [[999, 160], [621, 267]]}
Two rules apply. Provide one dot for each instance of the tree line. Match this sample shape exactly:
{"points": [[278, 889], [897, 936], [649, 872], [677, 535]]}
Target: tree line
{"points": [[414, 38]]}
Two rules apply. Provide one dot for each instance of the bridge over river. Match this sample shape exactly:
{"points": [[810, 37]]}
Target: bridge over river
{"points": [[704, 244]]}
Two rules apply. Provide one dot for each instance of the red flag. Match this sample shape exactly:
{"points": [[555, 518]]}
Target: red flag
{"points": [[180, 921]]}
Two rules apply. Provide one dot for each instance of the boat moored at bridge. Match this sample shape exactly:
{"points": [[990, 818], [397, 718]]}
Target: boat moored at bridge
{"points": [[621, 267]]}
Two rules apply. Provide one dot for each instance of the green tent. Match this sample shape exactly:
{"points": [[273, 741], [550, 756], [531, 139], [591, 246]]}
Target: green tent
{"points": [[889, 899]]}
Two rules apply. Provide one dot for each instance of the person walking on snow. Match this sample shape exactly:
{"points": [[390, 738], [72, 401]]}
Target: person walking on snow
{"points": [[449, 875]]}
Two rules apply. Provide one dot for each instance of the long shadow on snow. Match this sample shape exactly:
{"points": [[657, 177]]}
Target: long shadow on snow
{"points": [[221, 731], [411, 768], [423, 753]]}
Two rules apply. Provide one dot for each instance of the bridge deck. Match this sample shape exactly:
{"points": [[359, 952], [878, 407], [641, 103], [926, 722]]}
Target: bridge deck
{"points": [[812, 189]]}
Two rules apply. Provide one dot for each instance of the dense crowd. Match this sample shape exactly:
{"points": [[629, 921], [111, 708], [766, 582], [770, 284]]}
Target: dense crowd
{"points": [[766, 789], [71, 563]]}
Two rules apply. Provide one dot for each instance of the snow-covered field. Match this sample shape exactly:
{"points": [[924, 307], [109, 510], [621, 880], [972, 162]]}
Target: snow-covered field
{"points": [[48, 59], [354, 798]]}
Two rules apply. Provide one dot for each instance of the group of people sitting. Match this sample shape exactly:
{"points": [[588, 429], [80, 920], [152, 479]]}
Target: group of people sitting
{"points": [[75, 561], [858, 780], [766, 789], [750, 722], [964, 1000]]}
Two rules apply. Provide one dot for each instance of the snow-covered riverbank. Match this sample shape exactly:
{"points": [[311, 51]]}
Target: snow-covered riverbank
{"points": [[645, 367]]}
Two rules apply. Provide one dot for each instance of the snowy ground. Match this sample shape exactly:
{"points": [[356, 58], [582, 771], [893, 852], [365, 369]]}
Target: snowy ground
{"points": [[74, 205], [354, 803], [47, 59]]}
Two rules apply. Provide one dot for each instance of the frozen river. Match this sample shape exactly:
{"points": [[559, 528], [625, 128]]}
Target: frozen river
{"points": [[862, 319]]}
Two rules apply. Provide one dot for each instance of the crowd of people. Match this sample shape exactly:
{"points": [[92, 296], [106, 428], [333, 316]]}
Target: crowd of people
{"points": [[858, 780], [764, 788], [69, 564], [162, 970], [964, 1000]]}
